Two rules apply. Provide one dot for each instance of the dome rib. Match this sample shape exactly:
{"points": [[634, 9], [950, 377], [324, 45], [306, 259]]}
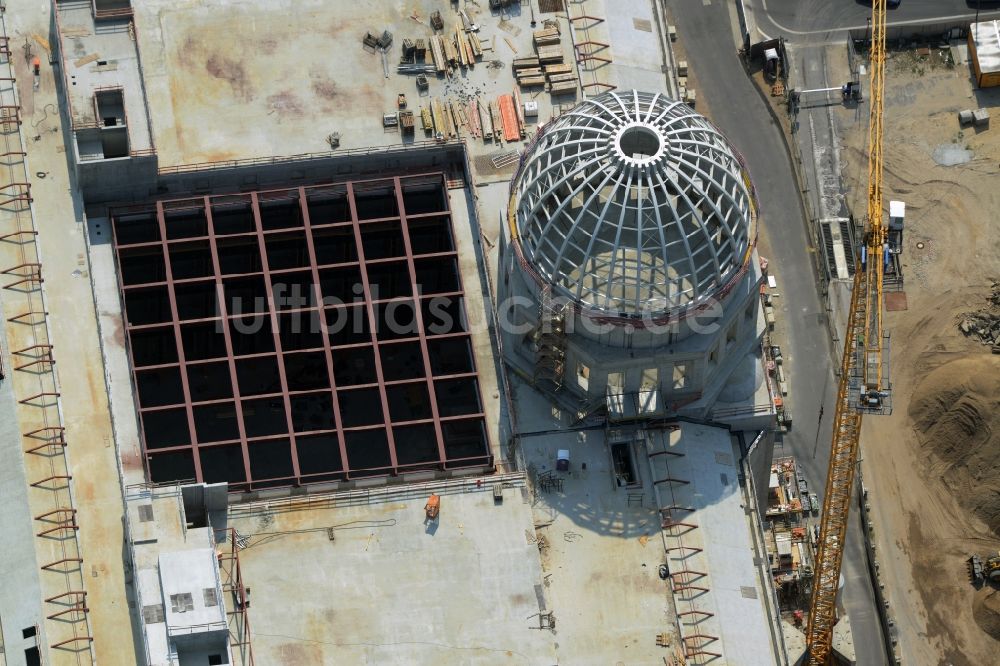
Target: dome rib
{"points": [[633, 204]]}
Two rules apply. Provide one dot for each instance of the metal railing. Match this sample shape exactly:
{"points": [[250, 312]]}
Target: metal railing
{"points": [[306, 157], [374, 495]]}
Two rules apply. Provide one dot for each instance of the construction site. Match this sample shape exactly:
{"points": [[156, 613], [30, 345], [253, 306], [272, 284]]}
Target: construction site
{"points": [[936, 454], [928, 480], [459, 332]]}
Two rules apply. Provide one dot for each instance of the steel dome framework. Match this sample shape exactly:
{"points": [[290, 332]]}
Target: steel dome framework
{"points": [[632, 204]]}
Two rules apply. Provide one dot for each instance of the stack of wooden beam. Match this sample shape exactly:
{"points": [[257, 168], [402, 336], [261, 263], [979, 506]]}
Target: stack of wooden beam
{"points": [[531, 76], [560, 78], [496, 126], [444, 123], [548, 46], [450, 51], [548, 55], [524, 63], [546, 37], [475, 123], [477, 46], [438, 54], [528, 72]]}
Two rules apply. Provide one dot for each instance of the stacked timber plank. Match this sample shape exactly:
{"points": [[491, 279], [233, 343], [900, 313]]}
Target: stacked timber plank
{"points": [[444, 125], [548, 55], [446, 118], [475, 122], [546, 66], [476, 45], [450, 51], [530, 77], [438, 54], [495, 125], [546, 37], [454, 50], [524, 63], [498, 120], [553, 70]]}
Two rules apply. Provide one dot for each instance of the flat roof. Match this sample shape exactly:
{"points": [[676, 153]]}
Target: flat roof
{"points": [[719, 589], [353, 581], [600, 544], [986, 38], [247, 80]]}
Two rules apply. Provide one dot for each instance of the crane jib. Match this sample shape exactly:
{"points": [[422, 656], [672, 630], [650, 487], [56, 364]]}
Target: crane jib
{"points": [[863, 384]]}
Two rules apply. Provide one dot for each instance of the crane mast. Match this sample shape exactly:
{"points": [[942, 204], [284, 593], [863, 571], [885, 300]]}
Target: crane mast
{"points": [[864, 386]]}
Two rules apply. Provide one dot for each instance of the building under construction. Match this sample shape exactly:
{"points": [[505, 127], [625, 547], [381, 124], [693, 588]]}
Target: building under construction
{"points": [[382, 396]]}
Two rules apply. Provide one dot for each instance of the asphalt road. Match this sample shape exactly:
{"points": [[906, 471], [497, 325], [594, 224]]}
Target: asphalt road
{"points": [[739, 111], [808, 20]]}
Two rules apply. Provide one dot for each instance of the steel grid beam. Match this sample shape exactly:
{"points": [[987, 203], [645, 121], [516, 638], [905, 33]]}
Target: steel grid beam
{"points": [[327, 347], [178, 340], [227, 337], [373, 323], [435, 415], [259, 235]]}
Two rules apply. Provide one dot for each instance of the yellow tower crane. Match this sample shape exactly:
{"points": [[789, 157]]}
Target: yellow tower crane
{"points": [[864, 383]]}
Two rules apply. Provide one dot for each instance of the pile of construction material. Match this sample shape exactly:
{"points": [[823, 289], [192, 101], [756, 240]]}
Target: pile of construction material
{"points": [[494, 121], [985, 322], [546, 67], [687, 94], [455, 49], [445, 51]]}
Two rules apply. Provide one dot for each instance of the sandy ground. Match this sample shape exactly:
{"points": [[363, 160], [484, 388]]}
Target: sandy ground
{"points": [[924, 527]]}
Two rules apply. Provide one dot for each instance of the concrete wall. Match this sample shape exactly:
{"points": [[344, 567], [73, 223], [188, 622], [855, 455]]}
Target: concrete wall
{"points": [[945, 30], [138, 179], [129, 176], [759, 453], [600, 355]]}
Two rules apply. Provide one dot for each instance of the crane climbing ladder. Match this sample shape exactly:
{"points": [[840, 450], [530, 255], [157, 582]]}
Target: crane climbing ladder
{"points": [[864, 378]]}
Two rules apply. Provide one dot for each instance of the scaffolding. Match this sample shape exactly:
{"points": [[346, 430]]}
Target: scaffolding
{"points": [[239, 595], [549, 340]]}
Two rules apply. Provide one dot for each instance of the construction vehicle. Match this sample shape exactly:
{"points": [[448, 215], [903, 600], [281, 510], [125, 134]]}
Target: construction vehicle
{"points": [[864, 386], [982, 570]]}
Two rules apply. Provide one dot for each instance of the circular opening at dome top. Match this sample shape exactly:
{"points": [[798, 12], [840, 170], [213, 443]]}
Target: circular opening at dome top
{"points": [[639, 143]]}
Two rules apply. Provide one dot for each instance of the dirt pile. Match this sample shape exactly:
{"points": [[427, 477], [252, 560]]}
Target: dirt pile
{"points": [[955, 411], [986, 610]]}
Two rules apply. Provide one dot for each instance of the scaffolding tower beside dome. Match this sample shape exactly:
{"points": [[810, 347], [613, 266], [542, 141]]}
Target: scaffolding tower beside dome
{"points": [[629, 275]]}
